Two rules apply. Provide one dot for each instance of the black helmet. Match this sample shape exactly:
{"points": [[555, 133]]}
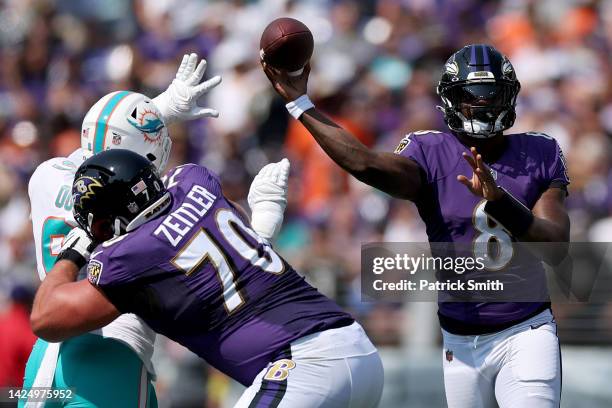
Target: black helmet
{"points": [[478, 90], [115, 191]]}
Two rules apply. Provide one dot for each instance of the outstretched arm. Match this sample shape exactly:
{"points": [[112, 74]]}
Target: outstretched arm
{"points": [[179, 101], [64, 308], [394, 174]]}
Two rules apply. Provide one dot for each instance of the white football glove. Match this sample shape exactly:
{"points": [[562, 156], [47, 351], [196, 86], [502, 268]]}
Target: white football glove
{"points": [[268, 198], [179, 101], [77, 247]]}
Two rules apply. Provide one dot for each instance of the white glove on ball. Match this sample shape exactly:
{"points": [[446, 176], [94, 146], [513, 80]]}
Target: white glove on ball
{"points": [[179, 101], [268, 198]]}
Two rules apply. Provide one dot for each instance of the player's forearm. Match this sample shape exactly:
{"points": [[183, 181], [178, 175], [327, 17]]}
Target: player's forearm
{"points": [[545, 231], [348, 152], [542, 230], [49, 310], [379, 170], [550, 224], [60, 310]]}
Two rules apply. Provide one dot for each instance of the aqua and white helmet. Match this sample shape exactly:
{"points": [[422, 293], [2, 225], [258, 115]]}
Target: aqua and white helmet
{"points": [[126, 120]]}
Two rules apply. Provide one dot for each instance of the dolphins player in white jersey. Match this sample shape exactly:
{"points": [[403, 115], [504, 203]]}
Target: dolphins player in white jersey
{"points": [[111, 366]]}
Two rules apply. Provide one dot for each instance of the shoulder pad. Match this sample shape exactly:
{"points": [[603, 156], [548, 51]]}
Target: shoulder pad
{"points": [[424, 132], [417, 134], [540, 134]]}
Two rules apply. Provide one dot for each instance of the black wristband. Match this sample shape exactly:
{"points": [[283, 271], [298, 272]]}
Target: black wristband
{"points": [[510, 213], [73, 256]]}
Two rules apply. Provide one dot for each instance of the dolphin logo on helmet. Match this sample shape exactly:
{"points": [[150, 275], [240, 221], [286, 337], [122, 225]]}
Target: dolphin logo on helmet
{"points": [[126, 120], [150, 126]]}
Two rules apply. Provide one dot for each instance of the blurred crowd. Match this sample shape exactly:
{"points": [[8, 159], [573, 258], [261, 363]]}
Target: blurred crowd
{"points": [[375, 67]]}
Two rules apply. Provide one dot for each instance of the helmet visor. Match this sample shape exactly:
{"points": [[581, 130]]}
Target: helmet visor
{"points": [[481, 94], [481, 101]]}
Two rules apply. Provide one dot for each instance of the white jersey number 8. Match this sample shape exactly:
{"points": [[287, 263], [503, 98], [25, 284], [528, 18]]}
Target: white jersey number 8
{"points": [[492, 243]]}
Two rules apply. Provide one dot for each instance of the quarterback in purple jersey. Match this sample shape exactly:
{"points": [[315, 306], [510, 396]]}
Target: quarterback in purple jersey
{"points": [[472, 184], [184, 259]]}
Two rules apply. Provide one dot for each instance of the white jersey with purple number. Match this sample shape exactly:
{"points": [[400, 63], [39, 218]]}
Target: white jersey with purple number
{"points": [[50, 191]]}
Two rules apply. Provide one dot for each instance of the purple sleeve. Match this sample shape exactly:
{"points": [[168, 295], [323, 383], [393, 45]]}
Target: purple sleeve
{"points": [[557, 169], [119, 279], [411, 148], [107, 269]]}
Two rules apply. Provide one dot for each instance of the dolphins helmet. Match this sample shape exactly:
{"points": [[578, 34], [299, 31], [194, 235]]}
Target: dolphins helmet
{"points": [[126, 120], [478, 89]]}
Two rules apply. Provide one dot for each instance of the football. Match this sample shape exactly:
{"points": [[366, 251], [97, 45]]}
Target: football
{"points": [[286, 44]]}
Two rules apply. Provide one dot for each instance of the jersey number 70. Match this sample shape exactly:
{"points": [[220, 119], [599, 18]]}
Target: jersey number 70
{"points": [[203, 248]]}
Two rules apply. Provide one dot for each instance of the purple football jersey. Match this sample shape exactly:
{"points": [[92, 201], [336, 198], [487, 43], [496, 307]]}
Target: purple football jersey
{"points": [[201, 276], [531, 163]]}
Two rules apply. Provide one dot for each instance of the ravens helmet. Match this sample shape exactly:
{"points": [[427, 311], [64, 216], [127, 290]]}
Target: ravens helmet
{"points": [[478, 89], [116, 191]]}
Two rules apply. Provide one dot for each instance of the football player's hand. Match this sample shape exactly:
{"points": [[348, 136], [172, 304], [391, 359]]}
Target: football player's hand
{"points": [[288, 87], [482, 183], [77, 247], [179, 101], [268, 198]]}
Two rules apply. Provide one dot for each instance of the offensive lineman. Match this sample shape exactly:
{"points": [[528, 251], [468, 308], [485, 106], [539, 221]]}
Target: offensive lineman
{"points": [[185, 260], [91, 364], [496, 352]]}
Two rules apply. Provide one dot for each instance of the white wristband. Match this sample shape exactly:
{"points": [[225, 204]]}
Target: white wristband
{"points": [[299, 106]]}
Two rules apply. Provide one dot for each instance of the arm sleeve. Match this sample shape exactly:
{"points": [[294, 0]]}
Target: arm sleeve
{"points": [[123, 271], [106, 270], [557, 169], [411, 148], [110, 274]]}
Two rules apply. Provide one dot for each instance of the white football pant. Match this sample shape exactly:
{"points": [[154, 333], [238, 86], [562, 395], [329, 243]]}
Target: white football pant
{"points": [[518, 367], [336, 368]]}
